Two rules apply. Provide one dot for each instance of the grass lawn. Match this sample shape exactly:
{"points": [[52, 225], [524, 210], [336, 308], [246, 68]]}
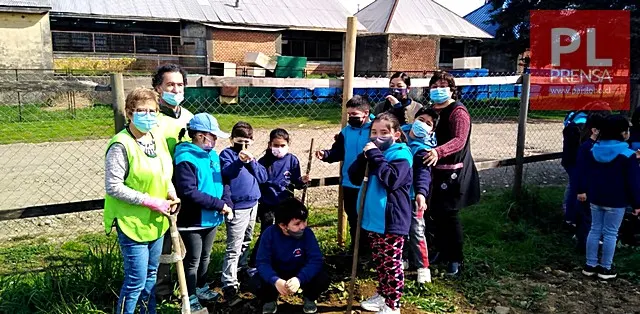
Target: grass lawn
{"points": [[506, 242], [37, 124]]}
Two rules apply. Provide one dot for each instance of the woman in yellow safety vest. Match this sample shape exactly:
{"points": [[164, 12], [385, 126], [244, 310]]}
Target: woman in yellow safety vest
{"points": [[138, 170]]}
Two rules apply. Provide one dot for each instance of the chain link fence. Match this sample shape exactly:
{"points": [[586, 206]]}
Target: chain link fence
{"points": [[52, 143]]}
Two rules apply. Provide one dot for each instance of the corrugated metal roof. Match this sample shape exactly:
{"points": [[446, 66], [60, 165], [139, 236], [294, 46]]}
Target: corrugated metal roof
{"points": [[416, 17], [294, 14], [26, 3], [481, 17]]}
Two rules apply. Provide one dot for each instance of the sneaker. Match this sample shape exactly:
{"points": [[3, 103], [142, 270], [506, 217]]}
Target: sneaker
{"points": [[453, 269], [194, 304], [270, 307], [388, 310], [309, 306], [590, 271], [231, 296], [424, 275], [206, 294], [373, 304], [606, 274]]}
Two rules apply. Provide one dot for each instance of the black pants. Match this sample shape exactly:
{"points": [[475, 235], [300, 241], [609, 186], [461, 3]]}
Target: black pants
{"points": [[165, 281], [583, 224], [351, 209], [267, 292], [199, 244], [448, 234], [267, 218]]}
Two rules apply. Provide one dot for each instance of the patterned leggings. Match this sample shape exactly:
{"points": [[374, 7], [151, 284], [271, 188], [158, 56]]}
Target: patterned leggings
{"points": [[387, 254]]}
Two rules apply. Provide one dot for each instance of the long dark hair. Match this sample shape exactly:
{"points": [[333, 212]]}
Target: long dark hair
{"points": [[392, 123]]}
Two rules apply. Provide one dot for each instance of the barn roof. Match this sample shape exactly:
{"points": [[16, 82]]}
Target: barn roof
{"points": [[416, 17], [293, 14], [36, 6]]}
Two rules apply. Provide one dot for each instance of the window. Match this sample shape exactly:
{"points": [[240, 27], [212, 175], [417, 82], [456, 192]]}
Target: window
{"points": [[316, 46], [450, 49]]}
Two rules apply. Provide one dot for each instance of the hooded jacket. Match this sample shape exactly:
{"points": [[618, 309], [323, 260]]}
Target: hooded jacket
{"points": [[283, 176], [610, 175]]}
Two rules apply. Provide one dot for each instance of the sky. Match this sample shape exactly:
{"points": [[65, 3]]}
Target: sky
{"points": [[460, 7]]}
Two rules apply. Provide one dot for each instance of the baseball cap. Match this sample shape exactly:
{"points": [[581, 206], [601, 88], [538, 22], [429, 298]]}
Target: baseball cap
{"points": [[205, 122]]}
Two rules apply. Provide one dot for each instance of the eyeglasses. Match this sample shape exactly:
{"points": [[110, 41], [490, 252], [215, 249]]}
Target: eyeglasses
{"points": [[143, 110]]}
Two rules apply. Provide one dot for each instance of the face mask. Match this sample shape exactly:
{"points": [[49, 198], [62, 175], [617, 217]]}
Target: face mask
{"points": [[439, 94], [279, 152], [208, 145], [356, 122], [383, 142], [421, 129], [172, 99], [238, 147], [297, 234], [144, 122]]}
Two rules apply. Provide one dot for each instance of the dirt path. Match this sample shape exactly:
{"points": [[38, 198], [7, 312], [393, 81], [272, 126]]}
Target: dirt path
{"points": [[51, 173]]}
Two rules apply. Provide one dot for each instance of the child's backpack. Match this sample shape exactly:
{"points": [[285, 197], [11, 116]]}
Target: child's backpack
{"points": [[574, 125]]}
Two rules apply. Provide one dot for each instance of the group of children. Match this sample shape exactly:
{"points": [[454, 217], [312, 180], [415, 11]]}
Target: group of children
{"points": [[236, 188], [601, 156]]}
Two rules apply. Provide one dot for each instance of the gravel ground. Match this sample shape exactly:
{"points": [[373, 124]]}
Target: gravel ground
{"points": [[50, 173]]}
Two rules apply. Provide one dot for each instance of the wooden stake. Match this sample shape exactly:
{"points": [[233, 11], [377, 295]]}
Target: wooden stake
{"points": [[356, 246], [304, 192]]}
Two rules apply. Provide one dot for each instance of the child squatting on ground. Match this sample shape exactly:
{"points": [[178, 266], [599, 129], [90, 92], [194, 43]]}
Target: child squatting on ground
{"points": [[348, 144], [610, 182], [420, 137], [289, 259], [283, 170], [387, 207], [205, 200], [242, 172]]}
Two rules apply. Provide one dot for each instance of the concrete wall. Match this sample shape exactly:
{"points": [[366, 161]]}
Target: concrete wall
{"points": [[372, 55], [25, 41], [413, 53]]}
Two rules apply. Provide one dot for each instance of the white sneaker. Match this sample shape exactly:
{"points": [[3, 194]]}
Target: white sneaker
{"points": [[424, 275], [373, 304], [388, 310]]}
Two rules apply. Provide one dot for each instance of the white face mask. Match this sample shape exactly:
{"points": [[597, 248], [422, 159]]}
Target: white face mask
{"points": [[279, 151]]}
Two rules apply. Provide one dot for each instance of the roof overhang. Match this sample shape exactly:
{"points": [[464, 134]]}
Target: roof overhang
{"points": [[31, 10], [245, 28], [112, 17]]}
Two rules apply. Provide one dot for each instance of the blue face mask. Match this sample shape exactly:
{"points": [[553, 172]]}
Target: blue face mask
{"points": [[382, 142], [144, 122], [439, 94], [421, 129], [172, 99]]}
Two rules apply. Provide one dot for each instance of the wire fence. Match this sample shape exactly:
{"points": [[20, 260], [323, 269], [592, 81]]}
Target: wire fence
{"points": [[52, 143]]}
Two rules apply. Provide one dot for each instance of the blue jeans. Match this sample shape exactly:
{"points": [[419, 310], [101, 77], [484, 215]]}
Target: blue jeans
{"points": [[141, 260], [605, 222]]}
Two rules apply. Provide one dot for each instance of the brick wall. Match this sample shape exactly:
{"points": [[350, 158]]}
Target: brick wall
{"points": [[413, 53], [230, 46], [333, 68]]}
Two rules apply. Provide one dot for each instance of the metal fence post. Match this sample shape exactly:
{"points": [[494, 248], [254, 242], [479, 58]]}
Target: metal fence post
{"points": [[347, 93], [118, 101], [522, 133]]}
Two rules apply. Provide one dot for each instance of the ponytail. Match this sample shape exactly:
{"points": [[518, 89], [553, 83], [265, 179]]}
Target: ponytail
{"points": [[183, 131]]}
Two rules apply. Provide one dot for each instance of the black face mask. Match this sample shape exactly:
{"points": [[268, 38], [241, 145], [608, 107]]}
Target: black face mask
{"points": [[237, 147], [356, 122]]}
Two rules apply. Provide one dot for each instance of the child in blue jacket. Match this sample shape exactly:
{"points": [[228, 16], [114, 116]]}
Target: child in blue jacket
{"points": [[634, 138], [420, 137], [594, 123], [289, 258], [610, 183], [348, 144], [387, 207], [243, 173], [283, 170], [205, 201]]}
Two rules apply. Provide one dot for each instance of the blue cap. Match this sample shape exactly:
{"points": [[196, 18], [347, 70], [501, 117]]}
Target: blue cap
{"points": [[205, 122]]}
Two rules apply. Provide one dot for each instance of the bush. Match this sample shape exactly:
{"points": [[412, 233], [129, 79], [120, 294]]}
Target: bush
{"points": [[92, 65]]}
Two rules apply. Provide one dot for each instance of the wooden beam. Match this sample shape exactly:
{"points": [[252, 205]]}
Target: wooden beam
{"points": [[51, 86], [358, 82]]}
